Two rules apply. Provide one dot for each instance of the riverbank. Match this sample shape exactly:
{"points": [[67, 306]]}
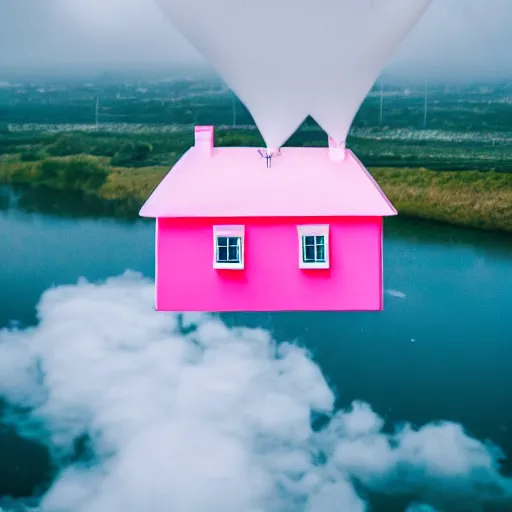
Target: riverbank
{"points": [[91, 176], [473, 199]]}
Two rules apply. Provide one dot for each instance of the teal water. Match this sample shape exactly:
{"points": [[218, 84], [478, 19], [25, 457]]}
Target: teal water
{"points": [[442, 349]]}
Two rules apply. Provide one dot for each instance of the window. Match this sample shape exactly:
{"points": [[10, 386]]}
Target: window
{"points": [[228, 247], [313, 246], [313, 249]]}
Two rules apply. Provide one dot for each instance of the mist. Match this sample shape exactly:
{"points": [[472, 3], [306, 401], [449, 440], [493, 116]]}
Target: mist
{"points": [[455, 40]]}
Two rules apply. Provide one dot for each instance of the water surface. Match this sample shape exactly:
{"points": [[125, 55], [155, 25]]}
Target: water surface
{"points": [[442, 349]]}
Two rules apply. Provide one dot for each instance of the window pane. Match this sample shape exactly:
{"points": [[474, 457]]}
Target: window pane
{"points": [[320, 240], [222, 254], [233, 241], [309, 240], [309, 253], [222, 241], [320, 253], [233, 254]]}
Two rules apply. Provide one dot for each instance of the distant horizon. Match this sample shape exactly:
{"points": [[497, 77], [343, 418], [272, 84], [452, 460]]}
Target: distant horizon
{"points": [[456, 42], [94, 70]]}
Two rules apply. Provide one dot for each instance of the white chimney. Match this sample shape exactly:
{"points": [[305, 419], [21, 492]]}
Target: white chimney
{"points": [[204, 141], [336, 151]]}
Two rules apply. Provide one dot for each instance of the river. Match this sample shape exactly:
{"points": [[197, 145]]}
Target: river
{"points": [[441, 350]]}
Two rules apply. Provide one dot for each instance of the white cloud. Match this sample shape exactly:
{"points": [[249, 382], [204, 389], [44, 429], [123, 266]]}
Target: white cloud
{"points": [[214, 420]]}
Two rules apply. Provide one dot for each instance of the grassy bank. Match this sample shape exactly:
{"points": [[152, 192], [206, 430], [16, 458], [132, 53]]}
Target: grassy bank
{"points": [[474, 199], [124, 172], [90, 175]]}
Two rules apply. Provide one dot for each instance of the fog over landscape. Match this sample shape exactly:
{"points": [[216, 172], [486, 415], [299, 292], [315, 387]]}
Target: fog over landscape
{"points": [[455, 39], [107, 405]]}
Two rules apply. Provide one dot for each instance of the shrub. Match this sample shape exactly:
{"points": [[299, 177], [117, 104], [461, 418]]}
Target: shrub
{"points": [[80, 173], [32, 155], [69, 144], [133, 154]]}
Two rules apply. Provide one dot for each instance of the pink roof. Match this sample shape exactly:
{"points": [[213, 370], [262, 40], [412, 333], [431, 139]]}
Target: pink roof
{"points": [[235, 182]]}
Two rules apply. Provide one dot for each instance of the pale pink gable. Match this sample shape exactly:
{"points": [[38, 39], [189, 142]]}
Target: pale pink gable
{"points": [[235, 182]]}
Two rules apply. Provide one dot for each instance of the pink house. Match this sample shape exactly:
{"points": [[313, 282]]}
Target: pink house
{"points": [[237, 230]]}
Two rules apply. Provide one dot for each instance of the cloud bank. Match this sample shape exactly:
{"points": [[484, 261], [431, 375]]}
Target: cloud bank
{"points": [[183, 413]]}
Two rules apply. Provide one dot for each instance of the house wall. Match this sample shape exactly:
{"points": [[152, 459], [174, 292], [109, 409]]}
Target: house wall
{"points": [[271, 279]]}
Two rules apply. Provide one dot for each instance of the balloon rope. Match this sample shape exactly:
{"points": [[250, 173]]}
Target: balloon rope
{"points": [[268, 155]]}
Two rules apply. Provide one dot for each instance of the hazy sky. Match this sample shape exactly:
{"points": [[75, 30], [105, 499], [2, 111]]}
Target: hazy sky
{"points": [[472, 37]]}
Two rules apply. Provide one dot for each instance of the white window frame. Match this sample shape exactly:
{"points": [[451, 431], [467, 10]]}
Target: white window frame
{"points": [[314, 230], [229, 231]]}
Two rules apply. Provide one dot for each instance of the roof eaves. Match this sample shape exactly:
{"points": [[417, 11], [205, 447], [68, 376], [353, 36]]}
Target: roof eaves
{"points": [[375, 184], [148, 204]]}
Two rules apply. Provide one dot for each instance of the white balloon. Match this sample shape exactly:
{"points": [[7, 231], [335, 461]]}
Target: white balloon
{"points": [[370, 32], [287, 59], [244, 41]]}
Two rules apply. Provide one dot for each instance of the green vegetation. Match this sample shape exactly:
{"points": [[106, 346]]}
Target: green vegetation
{"points": [[74, 173], [124, 169], [459, 170], [202, 98], [475, 199], [375, 149], [92, 176]]}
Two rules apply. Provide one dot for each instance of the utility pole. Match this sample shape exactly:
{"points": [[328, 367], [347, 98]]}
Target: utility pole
{"points": [[425, 112], [234, 111], [97, 110], [381, 116]]}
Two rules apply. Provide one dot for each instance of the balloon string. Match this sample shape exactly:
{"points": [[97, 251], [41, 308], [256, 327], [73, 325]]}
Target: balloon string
{"points": [[268, 155]]}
